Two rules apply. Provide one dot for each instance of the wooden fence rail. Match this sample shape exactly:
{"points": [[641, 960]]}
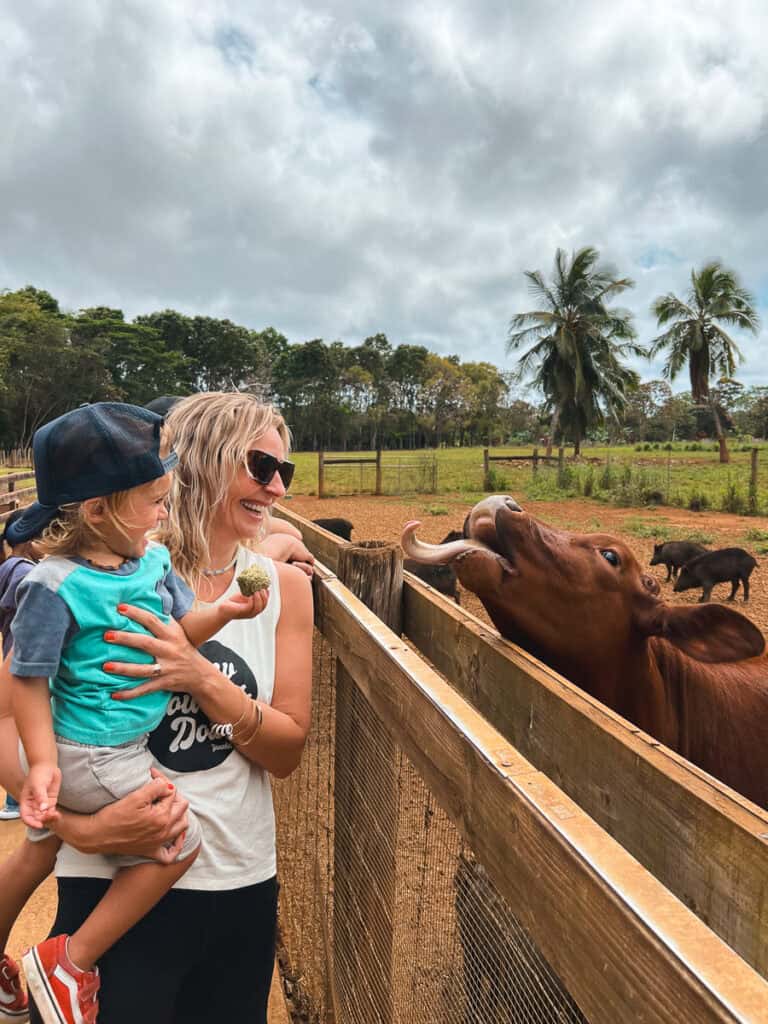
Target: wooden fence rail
{"points": [[704, 843]]}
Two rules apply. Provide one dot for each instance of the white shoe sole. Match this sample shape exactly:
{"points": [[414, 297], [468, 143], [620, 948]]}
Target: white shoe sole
{"points": [[37, 984]]}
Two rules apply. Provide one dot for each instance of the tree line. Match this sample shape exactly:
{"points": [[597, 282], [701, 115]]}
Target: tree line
{"points": [[571, 383]]}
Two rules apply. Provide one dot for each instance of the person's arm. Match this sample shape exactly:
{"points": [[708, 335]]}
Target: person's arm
{"points": [[280, 740], [203, 623], [141, 824], [276, 526], [282, 547], [279, 743], [31, 705]]}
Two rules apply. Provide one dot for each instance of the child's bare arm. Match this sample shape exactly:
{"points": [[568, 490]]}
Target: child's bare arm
{"points": [[203, 623], [31, 702]]}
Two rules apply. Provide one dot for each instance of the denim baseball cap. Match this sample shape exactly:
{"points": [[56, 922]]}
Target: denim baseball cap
{"points": [[87, 453]]}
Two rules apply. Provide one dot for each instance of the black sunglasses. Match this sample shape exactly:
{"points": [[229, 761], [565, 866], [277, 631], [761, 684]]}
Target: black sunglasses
{"points": [[262, 467]]}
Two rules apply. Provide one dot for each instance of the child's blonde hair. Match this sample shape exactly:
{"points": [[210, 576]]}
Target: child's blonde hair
{"points": [[211, 434], [71, 530]]}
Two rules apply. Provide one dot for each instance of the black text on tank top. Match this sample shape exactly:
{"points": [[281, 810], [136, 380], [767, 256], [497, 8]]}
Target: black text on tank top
{"points": [[182, 741]]}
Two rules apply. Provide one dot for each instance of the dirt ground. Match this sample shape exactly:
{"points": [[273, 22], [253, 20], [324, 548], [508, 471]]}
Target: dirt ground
{"points": [[383, 519]]}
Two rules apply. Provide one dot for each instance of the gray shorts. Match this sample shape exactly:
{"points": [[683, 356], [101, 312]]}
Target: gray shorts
{"points": [[92, 777]]}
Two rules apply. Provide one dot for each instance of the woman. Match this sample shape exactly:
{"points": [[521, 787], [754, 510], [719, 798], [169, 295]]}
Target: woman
{"points": [[206, 951]]}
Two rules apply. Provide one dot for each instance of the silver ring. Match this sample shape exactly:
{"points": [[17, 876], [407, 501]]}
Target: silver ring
{"points": [[157, 669]]}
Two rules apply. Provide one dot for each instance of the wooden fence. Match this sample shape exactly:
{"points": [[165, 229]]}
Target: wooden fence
{"points": [[643, 882], [12, 497], [391, 477]]}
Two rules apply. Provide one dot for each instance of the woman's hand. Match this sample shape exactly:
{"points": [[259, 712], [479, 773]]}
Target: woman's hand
{"points": [[142, 824], [181, 666]]}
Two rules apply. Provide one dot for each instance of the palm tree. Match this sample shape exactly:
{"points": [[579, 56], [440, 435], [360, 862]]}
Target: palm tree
{"points": [[577, 340], [697, 337]]}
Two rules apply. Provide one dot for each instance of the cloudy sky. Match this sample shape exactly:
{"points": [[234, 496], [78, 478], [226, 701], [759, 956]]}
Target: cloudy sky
{"points": [[343, 168]]}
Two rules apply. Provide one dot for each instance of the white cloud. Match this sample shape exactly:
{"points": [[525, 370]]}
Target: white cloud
{"points": [[354, 167]]}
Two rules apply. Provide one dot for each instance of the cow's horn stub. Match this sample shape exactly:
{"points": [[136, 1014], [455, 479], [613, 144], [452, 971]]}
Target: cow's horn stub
{"points": [[432, 554]]}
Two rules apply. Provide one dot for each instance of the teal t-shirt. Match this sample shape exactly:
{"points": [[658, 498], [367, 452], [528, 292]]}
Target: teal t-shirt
{"points": [[64, 608]]}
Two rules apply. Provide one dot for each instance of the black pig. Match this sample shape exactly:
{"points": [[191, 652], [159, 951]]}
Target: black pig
{"points": [[441, 577], [728, 565], [674, 554], [341, 527]]}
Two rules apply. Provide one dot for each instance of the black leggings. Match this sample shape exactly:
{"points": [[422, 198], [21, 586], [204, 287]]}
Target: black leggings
{"points": [[196, 957]]}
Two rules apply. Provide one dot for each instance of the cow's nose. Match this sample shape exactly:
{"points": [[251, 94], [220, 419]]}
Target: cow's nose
{"points": [[512, 505]]}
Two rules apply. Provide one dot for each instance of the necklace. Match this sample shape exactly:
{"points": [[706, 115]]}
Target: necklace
{"points": [[220, 572], [106, 568]]}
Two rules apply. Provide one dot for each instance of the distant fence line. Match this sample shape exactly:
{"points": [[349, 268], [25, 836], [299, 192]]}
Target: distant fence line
{"points": [[419, 473]]}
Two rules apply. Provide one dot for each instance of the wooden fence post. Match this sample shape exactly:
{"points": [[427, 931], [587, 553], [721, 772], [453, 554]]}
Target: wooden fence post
{"points": [[486, 471], [320, 473], [560, 460], [753, 504], [378, 471], [366, 793], [535, 463]]}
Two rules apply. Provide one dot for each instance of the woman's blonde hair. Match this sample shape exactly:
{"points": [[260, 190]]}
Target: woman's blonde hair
{"points": [[211, 433]]}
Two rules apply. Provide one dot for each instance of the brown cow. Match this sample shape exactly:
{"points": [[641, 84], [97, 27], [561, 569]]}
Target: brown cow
{"points": [[695, 677]]}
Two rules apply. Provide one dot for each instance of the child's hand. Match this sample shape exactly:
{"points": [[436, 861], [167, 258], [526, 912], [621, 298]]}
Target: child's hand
{"points": [[241, 607], [39, 794]]}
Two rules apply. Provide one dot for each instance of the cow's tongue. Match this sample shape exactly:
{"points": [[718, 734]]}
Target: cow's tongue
{"points": [[433, 554]]}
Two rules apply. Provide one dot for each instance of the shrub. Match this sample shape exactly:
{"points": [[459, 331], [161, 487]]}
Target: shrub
{"points": [[754, 534], [589, 483], [606, 477], [565, 478], [698, 537], [733, 501], [698, 502], [437, 510], [660, 530], [497, 482]]}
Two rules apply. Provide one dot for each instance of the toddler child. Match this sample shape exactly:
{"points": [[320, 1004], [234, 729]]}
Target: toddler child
{"points": [[102, 482]]}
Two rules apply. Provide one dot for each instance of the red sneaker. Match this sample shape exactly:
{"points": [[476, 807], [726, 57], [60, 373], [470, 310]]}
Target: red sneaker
{"points": [[62, 992], [13, 998]]}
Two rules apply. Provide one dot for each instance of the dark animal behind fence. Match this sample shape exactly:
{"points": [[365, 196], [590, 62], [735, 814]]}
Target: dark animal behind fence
{"points": [[728, 565], [341, 527], [674, 554], [441, 577]]}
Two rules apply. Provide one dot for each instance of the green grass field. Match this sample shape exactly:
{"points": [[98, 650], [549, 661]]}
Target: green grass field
{"points": [[623, 476]]}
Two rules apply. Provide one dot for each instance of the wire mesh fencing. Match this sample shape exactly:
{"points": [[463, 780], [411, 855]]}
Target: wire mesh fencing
{"points": [[386, 917]]}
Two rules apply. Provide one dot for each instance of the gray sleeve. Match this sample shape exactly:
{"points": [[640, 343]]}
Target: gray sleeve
{"points": [[41, 627], [183, 598]]}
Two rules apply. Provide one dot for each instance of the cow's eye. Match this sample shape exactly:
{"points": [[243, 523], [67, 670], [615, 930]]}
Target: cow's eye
{"points": [[610, 556]]}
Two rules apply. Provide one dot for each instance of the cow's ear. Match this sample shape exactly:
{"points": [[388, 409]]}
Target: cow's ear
{"points": [[706, 632]]}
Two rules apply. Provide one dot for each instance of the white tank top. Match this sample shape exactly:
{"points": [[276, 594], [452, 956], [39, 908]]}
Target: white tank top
{"points": [[231, 797]]}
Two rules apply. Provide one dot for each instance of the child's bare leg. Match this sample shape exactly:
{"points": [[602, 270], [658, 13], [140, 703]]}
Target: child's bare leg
{"points": [[132, 894], [20, 874]]}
